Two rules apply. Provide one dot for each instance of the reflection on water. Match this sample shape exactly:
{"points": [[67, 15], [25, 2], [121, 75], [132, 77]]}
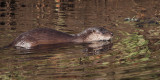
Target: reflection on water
{"points": [[132, 55], [95, 48]]}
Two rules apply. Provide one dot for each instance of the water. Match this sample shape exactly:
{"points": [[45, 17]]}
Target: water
{"points": [[132, 55]]}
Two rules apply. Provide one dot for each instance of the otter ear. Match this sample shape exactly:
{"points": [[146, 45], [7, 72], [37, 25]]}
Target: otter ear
{"points": [[93, 30], [90, 31]]}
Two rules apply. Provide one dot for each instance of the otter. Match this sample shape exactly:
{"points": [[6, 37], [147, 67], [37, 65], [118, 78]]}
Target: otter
{"points": [[42, 36]]}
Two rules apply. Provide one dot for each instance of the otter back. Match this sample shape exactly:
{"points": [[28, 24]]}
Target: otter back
{"points": [[41, 36]]}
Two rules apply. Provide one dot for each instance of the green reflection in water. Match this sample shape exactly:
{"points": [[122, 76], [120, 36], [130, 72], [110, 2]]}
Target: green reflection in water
{"points": [[132, 49]]}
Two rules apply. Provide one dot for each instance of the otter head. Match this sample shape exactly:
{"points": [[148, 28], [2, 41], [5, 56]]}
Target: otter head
{"points": [[95, 34]]}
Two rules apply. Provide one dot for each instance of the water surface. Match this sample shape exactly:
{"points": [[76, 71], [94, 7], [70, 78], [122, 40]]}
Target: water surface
{"points": [[132, 55]]}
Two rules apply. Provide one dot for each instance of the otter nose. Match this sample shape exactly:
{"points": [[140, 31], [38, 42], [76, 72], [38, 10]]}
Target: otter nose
{"points": [[111, 33]]}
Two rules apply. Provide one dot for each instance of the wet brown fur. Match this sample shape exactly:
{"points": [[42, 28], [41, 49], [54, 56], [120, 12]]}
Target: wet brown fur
{"points": [[49, 36], [44, 36]]}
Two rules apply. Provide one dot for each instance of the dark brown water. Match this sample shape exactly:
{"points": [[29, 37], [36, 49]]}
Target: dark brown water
{"points": [[132, 55]]}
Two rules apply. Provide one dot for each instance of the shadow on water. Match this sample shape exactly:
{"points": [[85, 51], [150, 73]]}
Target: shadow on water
{"points": [[133, 55]]}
